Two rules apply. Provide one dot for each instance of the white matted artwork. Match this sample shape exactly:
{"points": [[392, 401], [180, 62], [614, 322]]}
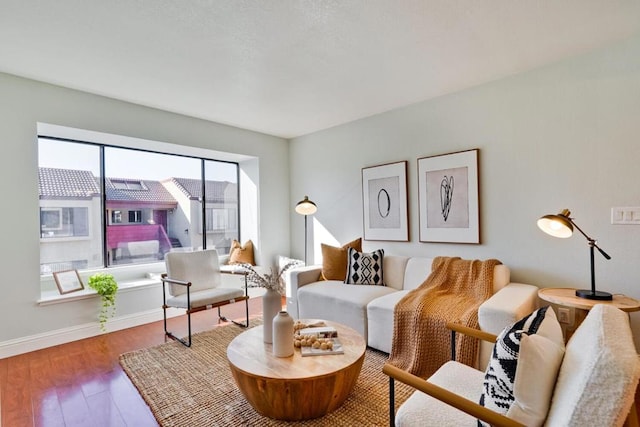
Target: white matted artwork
{"points": [[68, 281], [384, 200], [448, 197]]}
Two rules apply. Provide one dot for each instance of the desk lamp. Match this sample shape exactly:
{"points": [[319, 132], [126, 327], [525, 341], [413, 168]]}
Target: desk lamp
{"points": [[561, 225]]}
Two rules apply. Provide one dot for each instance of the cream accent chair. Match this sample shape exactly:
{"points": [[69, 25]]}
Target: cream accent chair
{"points": [[595, 386], [194, 280]]}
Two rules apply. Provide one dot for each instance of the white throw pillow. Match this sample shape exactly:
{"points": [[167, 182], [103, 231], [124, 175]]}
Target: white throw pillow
{"points": [[538, 365], [283, 261], [521, 374]]}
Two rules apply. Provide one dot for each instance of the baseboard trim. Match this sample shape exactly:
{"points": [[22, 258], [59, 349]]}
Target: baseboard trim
{"points": [[30, 343]]}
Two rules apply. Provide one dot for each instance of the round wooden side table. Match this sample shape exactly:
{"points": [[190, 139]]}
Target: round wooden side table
{"points": [[566, 297]]}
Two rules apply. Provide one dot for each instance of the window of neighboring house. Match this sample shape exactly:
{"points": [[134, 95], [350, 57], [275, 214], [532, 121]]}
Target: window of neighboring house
{"points": [[216, 219], [152, 203], [64, 222], [116, 217], [135, 216], [122, 184]]}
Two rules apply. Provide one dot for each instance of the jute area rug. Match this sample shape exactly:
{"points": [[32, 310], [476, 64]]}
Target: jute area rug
{"points": [[194, 386]]}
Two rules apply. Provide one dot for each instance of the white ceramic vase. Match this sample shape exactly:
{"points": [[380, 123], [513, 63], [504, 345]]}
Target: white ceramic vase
{"points": [[282, 335], [271, 306]]}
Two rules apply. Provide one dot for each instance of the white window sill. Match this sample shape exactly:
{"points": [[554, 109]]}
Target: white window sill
{"points": [[55, 298]]}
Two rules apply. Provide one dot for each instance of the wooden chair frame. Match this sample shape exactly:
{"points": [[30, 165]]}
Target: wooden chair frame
{"points": [[442, 394], [190, 310]]}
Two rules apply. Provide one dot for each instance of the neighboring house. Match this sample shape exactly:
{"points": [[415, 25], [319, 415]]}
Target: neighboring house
{"points": [[70, 230], [137, 211], [221, 212], [145, 218]]}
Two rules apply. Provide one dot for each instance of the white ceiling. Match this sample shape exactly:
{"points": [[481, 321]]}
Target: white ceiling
{"points": [[292, 67]]}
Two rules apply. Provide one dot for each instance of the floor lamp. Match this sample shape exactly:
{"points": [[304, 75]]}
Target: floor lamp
{"points": [[306, 207], [561, 225]]}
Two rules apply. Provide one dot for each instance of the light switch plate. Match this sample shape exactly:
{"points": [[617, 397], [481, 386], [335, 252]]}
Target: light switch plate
{"points": [[625, 215]]}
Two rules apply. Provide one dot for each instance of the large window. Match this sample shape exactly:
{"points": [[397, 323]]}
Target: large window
{"points": [[103, 206]]}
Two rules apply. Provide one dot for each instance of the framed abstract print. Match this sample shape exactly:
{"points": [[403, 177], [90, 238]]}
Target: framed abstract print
{"points": [[384, 198], [448, 198]]}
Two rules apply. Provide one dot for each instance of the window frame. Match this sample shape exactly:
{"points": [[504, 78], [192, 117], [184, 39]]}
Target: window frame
{"points": [[106, 220]]}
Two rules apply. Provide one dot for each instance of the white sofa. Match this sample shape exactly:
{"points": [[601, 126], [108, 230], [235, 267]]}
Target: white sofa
{"points": [[369, 309]]}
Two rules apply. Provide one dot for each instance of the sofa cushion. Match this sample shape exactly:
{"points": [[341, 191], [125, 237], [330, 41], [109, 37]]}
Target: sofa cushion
{"points": [[365, 268], [417, 271], [335, 301], [334, 260], [521, 375], [380, 320], [394, 268]]}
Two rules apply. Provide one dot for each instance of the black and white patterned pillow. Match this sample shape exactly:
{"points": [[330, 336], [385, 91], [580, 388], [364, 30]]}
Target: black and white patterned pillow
{"points": [[364, 268], [498, 388]]}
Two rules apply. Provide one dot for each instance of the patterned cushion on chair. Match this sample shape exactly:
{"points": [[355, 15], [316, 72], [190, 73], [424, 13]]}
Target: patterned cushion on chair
{"points": [[522, 372]]}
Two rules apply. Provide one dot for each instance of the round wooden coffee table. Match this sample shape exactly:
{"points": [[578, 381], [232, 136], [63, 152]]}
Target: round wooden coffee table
{"points": [[295, 388]]}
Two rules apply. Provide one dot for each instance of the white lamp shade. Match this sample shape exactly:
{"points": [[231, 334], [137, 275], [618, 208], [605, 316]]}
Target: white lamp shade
{"points": [[306, 207], [557, 225]]}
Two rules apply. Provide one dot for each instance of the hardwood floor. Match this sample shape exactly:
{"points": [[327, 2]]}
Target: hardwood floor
{"points": [[82, 384]]}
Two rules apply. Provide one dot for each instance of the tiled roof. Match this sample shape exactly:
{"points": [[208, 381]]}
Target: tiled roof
{"points": [[150, 191], [217, 191], [72, 183], [67, 184]]}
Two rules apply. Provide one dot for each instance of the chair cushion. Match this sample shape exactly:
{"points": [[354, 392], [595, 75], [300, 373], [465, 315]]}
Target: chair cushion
{"points": [[522, 371], [334, 260], [365, 268], [204, 298], [201, 268], [597, 381], [422, 410]]}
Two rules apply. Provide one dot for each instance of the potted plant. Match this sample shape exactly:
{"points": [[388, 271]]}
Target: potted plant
{"points": [[107, 287]]}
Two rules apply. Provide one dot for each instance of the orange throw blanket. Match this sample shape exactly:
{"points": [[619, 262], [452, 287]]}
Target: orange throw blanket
{"points": [[452, 293]]}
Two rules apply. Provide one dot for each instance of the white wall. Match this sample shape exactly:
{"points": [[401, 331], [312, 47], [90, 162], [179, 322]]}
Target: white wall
{"points": [[24, 103], [564, 136]]}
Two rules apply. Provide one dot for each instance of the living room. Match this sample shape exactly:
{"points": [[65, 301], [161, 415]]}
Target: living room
{"points": [[561, 135]]}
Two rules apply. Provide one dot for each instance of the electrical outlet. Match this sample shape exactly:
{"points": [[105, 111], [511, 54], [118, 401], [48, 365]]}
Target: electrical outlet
{"points": [[563, 315]]}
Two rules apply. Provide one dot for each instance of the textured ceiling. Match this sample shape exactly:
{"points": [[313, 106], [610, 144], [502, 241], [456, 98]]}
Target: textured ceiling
{"points": [[292, 67]]}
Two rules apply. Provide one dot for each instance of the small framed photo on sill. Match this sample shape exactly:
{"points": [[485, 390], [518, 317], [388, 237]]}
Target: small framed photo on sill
{"points": [[68, 281]]}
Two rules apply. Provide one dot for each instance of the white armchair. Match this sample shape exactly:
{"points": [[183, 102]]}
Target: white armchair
{"points": [[194, 283], [595, 384]]}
